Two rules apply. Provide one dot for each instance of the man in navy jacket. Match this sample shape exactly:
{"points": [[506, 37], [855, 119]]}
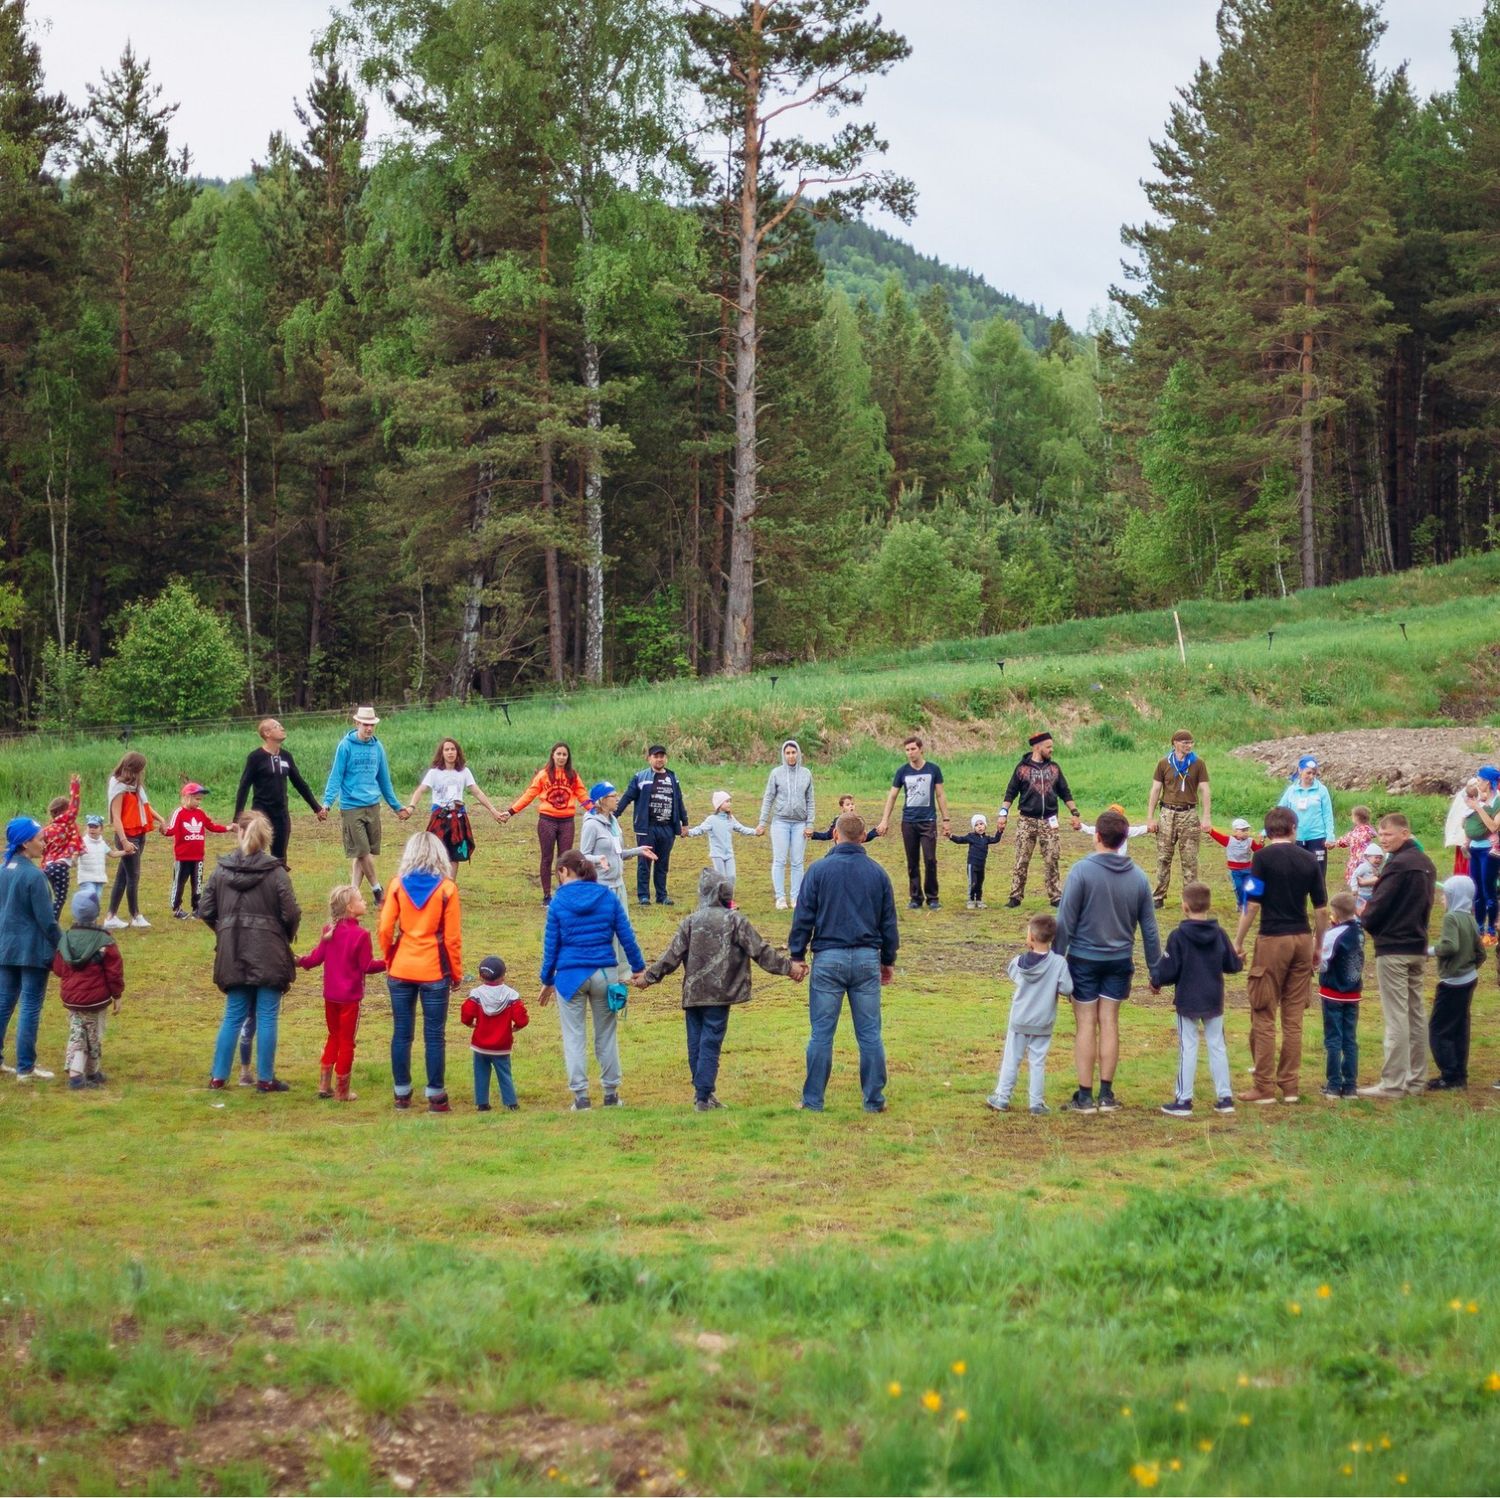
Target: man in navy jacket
{"points": [[660, 816]]}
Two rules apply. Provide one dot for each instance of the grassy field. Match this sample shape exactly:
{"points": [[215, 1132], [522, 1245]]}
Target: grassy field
{"points": [[252, 1294]]}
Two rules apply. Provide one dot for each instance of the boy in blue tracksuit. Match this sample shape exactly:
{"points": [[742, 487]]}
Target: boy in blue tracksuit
{"points": [[359, 779], [1308, 799], [660, 819]]}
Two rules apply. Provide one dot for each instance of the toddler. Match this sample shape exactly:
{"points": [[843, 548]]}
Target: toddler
{"points": [[1039, 975], [494, 1012], [345, 954], [1341, 967], [1239, 848], [1357, 839], [1199, 953], [979, 843], [1366, 874], [61, 844], [186, 827], [721, 826], [93, 860], [93, 978]]}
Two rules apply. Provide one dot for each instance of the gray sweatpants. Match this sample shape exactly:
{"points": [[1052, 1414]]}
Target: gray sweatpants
{"points": [[1034, 1048], [573, 1015], [1187, 1056]]}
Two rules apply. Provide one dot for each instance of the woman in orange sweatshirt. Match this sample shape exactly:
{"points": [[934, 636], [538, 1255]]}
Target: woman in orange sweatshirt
{"points": [[421, 939], [559, 794]]}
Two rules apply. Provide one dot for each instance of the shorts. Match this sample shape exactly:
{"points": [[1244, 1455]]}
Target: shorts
{"points": [[361, 830], [1096, 978]]}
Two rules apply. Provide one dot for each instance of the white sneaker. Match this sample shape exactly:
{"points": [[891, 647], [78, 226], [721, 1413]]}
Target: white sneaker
{"points": [[7, 1069], [140, 923], [113, 923], [39, 1072], [780, 903]]}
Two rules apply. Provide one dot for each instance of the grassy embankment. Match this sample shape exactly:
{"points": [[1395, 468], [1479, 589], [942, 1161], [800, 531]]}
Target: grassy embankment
{"points": [[273, 1295]]}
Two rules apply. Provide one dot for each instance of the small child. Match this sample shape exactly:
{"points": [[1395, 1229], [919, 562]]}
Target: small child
{"points": [[1134, 829], [846, 808], [494, 1012], [345, 954], [1199, 953], [61, 844], [1356, 840], [186, 827], [93, 978], [721, 825], [1239, 848], [93, 861], [714, 947], [1459, 953], [1480, 828], [979, 844], [1341, 967], [1039, 975], [1366, 875]]}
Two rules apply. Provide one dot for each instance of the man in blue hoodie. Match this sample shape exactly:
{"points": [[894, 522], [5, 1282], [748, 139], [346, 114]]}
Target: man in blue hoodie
{"points": [[359, 779], [1106, 897]]}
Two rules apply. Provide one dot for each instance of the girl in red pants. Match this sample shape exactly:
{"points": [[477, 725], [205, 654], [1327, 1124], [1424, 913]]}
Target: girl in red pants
{"points": [[344, 954]]}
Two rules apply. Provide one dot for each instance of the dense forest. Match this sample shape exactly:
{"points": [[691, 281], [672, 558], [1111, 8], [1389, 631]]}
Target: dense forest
{"points": [[593, 373]]}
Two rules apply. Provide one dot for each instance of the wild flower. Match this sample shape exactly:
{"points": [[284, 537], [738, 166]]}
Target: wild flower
{"points": [[893, 1389], [1324, 1291], [959, 1368], [1243, 1380], [1455, 1304], [1385, 1443], [932, 1401], [1244, 1420], [553, 1473], [1347, 1470], [1492, 1383], [1174, 1465], [1401, 1478], [1126, 1412], [1472, 1308], [1146, 1473], [1205, 1445], [960, 1417], [1181, 1406], [1294, 1307]]}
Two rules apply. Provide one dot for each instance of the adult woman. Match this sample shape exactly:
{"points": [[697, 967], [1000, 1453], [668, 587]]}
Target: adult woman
{"points": [[1308, 800], [578, 961], [421, 939], [29, 935], [604, 843], [448, 778], [789, 809], [131, 816], [561, 794], [249, 905]]}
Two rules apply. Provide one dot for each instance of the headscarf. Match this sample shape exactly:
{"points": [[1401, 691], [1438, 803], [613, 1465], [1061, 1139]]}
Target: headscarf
{"points": [[18, 832]]}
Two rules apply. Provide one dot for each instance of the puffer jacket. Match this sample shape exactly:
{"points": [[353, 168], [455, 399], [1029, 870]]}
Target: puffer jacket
{"points": [[88, 963], [249, 905], [418, 907], [584, 919], [714, 947], [789, 791]]}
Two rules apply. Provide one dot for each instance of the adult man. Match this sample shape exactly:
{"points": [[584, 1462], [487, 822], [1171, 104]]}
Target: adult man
{"points": [[660, 817], [1284, 880], [1179, 784], [1396, 916], [847, 910], [357, 780], [1041, 785], [264, 780], [1106, 899], [922, 783]]}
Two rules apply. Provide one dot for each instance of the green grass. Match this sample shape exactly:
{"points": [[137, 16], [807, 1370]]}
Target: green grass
{"points": [[243, 1294]]}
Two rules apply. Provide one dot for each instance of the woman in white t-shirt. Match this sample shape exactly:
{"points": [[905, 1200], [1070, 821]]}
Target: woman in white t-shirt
{"points": [[448, 780]]}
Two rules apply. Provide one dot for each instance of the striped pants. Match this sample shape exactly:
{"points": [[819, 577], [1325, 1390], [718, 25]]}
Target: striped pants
{"points": [[1187, 1056]]}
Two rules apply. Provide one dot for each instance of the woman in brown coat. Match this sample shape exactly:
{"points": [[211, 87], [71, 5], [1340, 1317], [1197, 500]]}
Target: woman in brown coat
{"points": [[249, 906]]}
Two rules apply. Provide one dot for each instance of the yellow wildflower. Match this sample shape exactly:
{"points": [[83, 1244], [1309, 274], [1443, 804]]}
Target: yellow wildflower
{"points": [[932, 1401], [960, 1416], [553, 1473], [1347, 1470], [1145, 1473], [1294, 1307], [1354, 1446], [1385, 1443], [1181, 1406], [1401, 1478], [960, 1368], [1174, 1465], [1492, 1383], [1244, 1419], [1472, 1308], [1205, 1444], [1324, 1291], [1125, 1412], [893, 1389], [1243, 1380], [1406, 1288], [1455, 1304]]}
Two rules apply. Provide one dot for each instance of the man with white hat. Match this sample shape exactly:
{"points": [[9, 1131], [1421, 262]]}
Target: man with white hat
{"points": [[359, 779]]}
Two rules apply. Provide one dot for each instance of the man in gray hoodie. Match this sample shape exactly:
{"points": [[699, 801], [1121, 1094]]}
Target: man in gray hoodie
{"points": [[789, 808], [1106, 897]]}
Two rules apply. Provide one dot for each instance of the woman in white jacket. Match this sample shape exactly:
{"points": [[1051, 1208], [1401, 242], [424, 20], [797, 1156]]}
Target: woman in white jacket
{"points": [[790, 811]]}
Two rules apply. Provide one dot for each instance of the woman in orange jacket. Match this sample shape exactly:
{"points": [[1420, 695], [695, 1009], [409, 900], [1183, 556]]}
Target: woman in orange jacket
{"points": [[421, 939], [559, 794]]}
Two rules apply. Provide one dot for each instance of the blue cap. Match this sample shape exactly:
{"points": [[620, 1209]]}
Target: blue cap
{"points": [[1307, 762], [1489, 773], [18, 832], [598, 792]]}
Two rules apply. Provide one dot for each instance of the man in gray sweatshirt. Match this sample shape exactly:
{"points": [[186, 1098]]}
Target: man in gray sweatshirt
{"points": [[1106, 897]]}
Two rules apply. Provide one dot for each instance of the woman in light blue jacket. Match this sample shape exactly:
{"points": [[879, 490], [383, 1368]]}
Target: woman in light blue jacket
{"points": [[1308, 798], [789, 809]]}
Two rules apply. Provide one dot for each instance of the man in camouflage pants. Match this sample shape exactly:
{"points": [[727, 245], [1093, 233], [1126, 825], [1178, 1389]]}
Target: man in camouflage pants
{"points": [[1179, 784], [1041, 785]]}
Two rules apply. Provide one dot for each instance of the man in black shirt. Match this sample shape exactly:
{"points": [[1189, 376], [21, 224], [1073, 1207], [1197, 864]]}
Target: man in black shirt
{"points": [[1041, 785], [264, 781], [1284, 880]]}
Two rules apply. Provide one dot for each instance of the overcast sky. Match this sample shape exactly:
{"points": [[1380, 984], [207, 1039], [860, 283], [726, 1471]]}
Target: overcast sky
{"points": [[1026, 127]]}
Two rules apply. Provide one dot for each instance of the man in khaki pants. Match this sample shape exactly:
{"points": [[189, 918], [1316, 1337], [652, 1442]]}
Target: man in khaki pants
{"points": [[1178, 786], [1397, 917], [1284, 880]]}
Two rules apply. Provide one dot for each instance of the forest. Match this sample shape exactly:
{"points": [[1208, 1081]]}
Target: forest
{"points": [[592, 371]]}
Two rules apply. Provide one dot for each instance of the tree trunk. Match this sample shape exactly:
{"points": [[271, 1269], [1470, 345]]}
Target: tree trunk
{"points": [[318, 583], [593, 483], [544, 377], [245, 532], [469, 630], [1305, 437]]}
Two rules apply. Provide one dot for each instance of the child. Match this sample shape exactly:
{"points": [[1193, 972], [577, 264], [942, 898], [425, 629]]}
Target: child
{"points": [[979, 845], [93, 978], [494, 1012], [61, 844], [345, 955], [1198, 955], [1366, 874], [1341, 967], [846, 807], [1039, 975], [1356, 840], [1458, 954], [1135, 829], [1239, 847], [186, 827], [1481, 805], [714, 947], [93, 860], [721, 826]]}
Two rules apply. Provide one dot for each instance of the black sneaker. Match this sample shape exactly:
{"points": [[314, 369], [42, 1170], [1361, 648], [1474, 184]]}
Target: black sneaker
{"points": [[1015, 904], [1442, 1084], [96, 1080], [1082, 1101], [707, 1104], [275, 1085], [612, 1100], [1159, 904], [666, 900], [581, 1104], [934, 905], [1224, 1105], [913, 904], [1178, 1108], [1108, 1102], [181, 915], [643, 899], [482, 1108], [512, 1107], [1055, 903], [377, 893], [1330, 1092]]}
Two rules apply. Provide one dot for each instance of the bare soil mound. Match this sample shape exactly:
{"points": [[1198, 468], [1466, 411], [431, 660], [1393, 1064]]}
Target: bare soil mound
{"points": [[1406, 761]]}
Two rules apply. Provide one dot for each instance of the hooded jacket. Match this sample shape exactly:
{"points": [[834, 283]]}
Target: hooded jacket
{"points": [[1106, 896], [721, 827], [583, 920], [1039, 980], [494, 1012], [714, 947], [1400, 905], [249, 905], [1341, 965], [88, 963], [428, 947], [29, 932], [789, 791], [1458, 950], [360, 774], [602, 843], [1198, 955]]}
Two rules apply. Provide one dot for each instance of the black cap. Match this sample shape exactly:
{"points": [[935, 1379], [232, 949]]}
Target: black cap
{"points": [[1039, 738], [657, 749], [492, 969]]}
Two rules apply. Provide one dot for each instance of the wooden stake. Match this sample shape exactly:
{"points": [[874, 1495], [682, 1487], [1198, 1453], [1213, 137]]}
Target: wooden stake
{"points": [[1181, 648]]}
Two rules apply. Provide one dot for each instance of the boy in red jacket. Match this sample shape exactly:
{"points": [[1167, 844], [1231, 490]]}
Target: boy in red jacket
{"points": [[494, 1012], [346, 956], [186, 827], [93, 978], [61, 844]]}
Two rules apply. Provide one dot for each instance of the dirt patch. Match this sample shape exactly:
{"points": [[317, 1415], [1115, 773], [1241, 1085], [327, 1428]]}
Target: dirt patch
{"points": [[1406, 761]]}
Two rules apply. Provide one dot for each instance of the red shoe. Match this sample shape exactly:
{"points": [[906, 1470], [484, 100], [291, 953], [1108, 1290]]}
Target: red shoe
{"points": [[439, 1104], [216, 1084], [403, 1100]]}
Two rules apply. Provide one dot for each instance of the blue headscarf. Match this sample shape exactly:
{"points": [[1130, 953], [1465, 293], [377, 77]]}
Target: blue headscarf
{"points": [[18, 832]]}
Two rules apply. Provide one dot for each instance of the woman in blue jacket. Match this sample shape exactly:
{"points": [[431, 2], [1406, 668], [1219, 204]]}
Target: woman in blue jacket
{"points": [[578, 962], [29, 935], [1308, 799]]}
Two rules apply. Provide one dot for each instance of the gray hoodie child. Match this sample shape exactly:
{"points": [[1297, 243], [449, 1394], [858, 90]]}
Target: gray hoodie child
{"points": [[789, 791], [1039, 978]]}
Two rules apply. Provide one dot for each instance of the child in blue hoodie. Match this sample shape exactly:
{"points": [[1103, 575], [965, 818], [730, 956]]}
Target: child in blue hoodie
{"points": [[1039, 975]]}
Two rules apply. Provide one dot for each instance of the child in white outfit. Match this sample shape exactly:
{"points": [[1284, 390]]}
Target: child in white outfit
{"points": [[721, 825], [1039, 975]]}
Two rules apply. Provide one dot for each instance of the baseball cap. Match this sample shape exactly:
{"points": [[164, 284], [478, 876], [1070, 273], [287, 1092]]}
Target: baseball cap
{"points": [[93, 820], [657, 749], [192, 788], [1239, 825], [492, 969]]}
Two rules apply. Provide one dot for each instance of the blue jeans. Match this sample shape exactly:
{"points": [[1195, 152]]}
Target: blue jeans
{"points": [[237, 1004], [26, 986], [788, 849], [1340, 1026], [854, 971], [404, 996], [1484, 870], [1240, 879], [484, 1063], [707, 1025]]}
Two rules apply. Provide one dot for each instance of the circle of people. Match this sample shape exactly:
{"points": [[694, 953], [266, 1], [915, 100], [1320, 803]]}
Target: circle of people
{"points": [[844, 920]]}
